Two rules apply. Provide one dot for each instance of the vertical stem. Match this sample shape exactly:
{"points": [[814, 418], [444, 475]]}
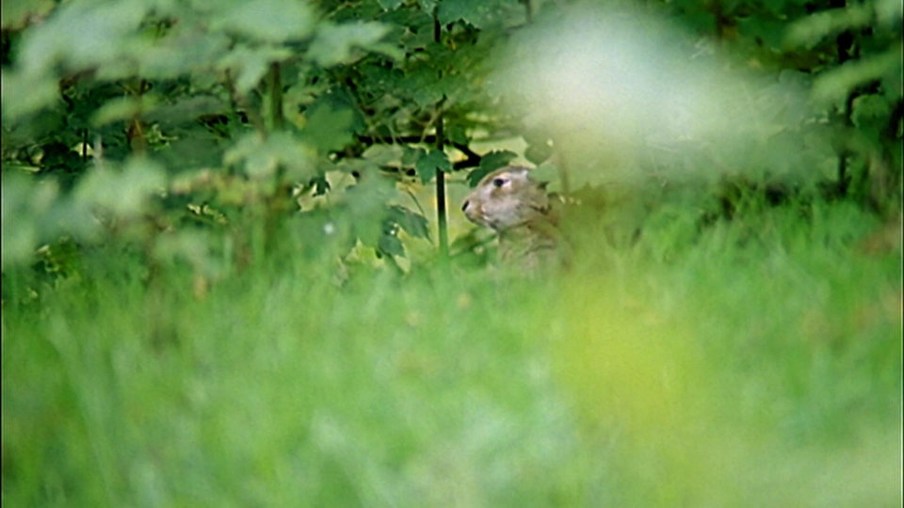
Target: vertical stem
{"points": [[279, 203], [277, 120], [84, 152], [135, 130], [441, 194], [843, 177], [443, 228], [844, 47]]}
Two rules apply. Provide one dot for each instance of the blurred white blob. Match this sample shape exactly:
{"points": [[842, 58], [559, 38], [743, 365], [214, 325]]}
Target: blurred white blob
{"points": [[619, 90]]}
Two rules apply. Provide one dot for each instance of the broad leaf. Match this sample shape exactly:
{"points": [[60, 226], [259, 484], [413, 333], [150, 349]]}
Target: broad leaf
{"points": [[123, 108], [267, 20], [249, 64], [123, 193], [261, 158], [335, 44], [431, 162], [329, 128], [413, 223], [489, 163]]}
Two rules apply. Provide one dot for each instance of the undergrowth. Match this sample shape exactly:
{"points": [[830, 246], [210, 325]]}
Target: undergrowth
{"points": [[747, 361]]}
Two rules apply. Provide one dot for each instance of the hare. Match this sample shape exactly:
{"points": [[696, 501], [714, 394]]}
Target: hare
{"points": [[519, 210]]}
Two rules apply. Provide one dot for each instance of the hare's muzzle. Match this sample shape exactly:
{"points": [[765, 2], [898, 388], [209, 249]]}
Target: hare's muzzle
{"points": [[471, 210]]}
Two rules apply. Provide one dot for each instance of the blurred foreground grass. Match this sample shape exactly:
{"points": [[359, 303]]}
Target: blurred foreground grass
{"points": [[754, 363]]}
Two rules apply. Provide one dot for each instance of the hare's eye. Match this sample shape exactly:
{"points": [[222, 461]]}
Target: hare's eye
{"points": [[498, 182]]}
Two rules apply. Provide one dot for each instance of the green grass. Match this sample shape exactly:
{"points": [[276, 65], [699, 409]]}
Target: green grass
{"points": [[754, 363]]}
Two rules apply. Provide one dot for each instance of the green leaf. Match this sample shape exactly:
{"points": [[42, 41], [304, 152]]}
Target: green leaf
{"points": [[366, 207], [427, 5], [123, 108], [23, 94], [187, 109], [24, 206], [413, 223], [835, 84], [489, 163], [813, 28], [190, 246], [479, 13], [457, 134], [383, 155], [82, 35], [389, 5], [262, 158], [329, 128], [196, 148], [15, 13], [335, 44], [537, 153], [267, 20], [183, 50], [390, 245], [123, 193], [249, 65], [871, 112], [430, 162], [423, 84]]}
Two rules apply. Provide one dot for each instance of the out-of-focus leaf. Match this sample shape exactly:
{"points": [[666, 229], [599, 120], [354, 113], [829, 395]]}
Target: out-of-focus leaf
{"points": [[261, 157], [267, 20], [34, 212], [772, 32], [427, 5], [124, 194], [15, 13], [538, 152], [890, 11], [366, 207], [389, 4], [329, 128], [180, 52], [82, 35], [249, 65], [431, 162], [410, 155], [190, 246], [23, 94], [334, 44], [870, 112], [123, 108], [186, 110], [383, 155], [22, 203], [195, 148], [834, 84], [480, 13], [813, 28]]}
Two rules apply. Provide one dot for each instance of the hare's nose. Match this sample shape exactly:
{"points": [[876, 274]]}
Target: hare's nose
{"points": [[464, 206]]}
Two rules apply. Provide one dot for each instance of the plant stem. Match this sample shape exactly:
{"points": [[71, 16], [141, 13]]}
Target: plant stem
{"points": [[443, 228]]}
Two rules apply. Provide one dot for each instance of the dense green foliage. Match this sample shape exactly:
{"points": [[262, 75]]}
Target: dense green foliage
{"points": [[224, 117], [228, 275]]}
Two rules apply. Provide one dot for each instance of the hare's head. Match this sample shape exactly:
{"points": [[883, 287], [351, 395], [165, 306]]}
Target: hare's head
{"points": [[505, 199]]}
